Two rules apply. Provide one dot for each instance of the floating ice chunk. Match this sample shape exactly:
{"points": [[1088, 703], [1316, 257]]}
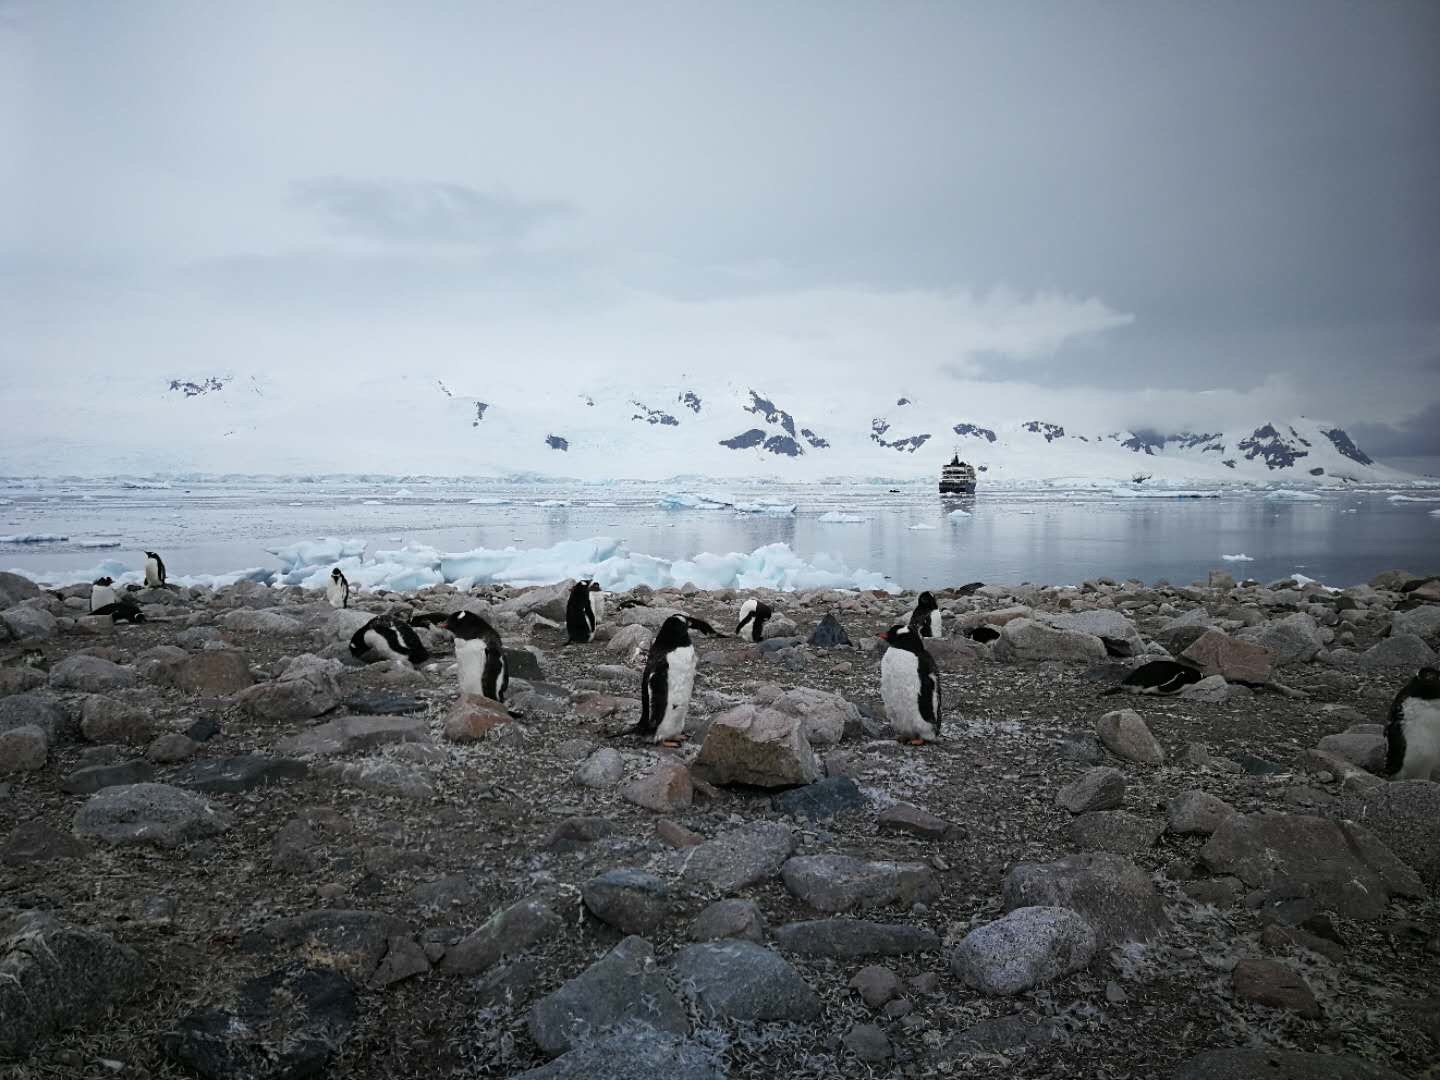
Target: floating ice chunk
{"points": [[145, 485], [97, 543], [1435, 513], [7, 502], [1414, 498], [768, 509], [1160, 493], [1289, 495], [839, 517], [371, 502], [325, 551], [920, 525], [33, 538], [686, 500], [553, 502], [603, 505], [488, 500], [1237, 558], [959, 515]]}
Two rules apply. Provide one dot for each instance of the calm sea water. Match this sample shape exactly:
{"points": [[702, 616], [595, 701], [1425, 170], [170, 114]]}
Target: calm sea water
{"points": [[1048, 535]]}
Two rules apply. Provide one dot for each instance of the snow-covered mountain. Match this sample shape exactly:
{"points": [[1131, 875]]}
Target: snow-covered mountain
{"points": [[590, 429]]}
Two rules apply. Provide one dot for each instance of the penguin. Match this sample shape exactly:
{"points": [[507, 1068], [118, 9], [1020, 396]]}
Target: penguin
{"points": [[1413, 733], [925, 619], [154, 570], [481, 656], [125, 609], [970, 588], [337, 589], [667, 683], [389, 638], [1157, 677], [754, 613], [580, 613], [982, 634], [102, 594], [910, 686]]}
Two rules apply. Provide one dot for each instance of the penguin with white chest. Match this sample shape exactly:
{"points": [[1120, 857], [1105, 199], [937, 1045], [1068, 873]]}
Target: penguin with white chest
{"points": [[102, 594], [581, 616], [393, 640], [1413, 732], [337, 589], [480, 654], [668, 681], [910, 686], [1162, 677], [925, 619], [154, 570], [753, 614]]}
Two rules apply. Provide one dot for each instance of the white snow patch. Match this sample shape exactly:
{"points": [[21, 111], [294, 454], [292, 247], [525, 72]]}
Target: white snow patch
{"points": [[488, 500]]}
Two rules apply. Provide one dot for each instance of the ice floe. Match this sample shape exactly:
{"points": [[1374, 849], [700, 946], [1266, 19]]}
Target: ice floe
{"points": [[1237, 558]]}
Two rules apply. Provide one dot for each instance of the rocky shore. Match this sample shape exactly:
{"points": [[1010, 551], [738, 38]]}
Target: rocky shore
{"points": [[230, 850]]}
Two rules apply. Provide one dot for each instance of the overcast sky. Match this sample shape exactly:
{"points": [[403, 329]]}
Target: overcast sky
{"points": [[1128, 202]]}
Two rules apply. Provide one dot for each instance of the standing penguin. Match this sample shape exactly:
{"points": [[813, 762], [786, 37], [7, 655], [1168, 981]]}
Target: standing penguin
{"points": [[668, 680], [337, 589], [580, 615], [102, 593], [389, 638], [1413, 733], [481, 656], [925, 619], [910, 686], [154, 570], [754, 613]]}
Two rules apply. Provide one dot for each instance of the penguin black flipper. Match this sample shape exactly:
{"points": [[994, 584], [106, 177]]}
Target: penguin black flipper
{"points": [[1395, 733], [749, 615], [414, 648], [358, 647], [929, 693], [654, 694], [703, 626], [496, 679], [161, 564]]}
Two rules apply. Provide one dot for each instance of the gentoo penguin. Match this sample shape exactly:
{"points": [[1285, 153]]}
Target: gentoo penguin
{"points": [[480, 654], [1157, 677], [982, 634], [754, 613], [154, 570], [925, 619], [580, 616], [337, 589], [668, 680], [1413, 733], [910, 686], [102, 594], [391, 639]]}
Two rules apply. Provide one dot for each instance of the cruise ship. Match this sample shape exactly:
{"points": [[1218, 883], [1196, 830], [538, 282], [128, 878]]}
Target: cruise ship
{"points": [[957, 478]]}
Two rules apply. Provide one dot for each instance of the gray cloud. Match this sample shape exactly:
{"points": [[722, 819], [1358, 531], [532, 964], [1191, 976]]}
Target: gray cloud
{"points": [[1417, 436], [425, 213]]}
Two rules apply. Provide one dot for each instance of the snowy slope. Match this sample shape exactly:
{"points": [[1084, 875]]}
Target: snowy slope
{"points": [[482, 424]]}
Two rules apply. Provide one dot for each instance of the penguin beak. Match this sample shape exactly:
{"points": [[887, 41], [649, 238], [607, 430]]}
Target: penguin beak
{"points": [[881, 637]]}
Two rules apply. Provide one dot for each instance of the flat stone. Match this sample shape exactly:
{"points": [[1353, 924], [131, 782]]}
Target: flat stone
{"points": [[675, 835], [623, 987], [1115, 831], [89, 780], [384, 777], [1125, 735], [1101, 788], [904, 818], [384, 703], [835, 883], [822, 799], [1031, 640], [1405, 816], [242, 773], [404, 959], [1399, 652], [1217, 653], [90, 674], [1000, 1035], [1196, 813], [35, 842], [664, 789], [214, 672], [474, 719], [729, 919], [853, 938], [509, 931], [350, 941], [1084, 748], [638, 1053], [876, 985], [735, 859], [1294, 639], [348, 734], [156, 814], [824, 717], [24, 748], [1028, 947], [869, 1043], [574, 833], [1269, 982], [741, 980], [1364, 751], [55, 977], [1114, 895], [299, 698], [105, 719]]}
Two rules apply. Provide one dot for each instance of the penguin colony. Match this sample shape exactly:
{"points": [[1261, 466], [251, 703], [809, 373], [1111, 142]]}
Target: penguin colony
{"points": [[910, 684]]}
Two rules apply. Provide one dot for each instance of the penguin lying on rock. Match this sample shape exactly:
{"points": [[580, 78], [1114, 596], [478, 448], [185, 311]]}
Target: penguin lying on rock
{"points": [[1162, 677], [388, 638]]}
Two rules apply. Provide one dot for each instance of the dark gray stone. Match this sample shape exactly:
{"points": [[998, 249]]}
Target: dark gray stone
{"points": [[89, 780], [240, 773], [1027, 947], [741, 980], [509, 931], [91, 674], [841, 883], [822, 799], [38, 708], [351, 941], [632, 901], [736, 859], [385, 703], [1114, 830], [36, 842], [203, 730], [155, 814], [850, 938], [828, 634], [637, 1053], [729, 919], [1114, 895], [1280, 1065]]}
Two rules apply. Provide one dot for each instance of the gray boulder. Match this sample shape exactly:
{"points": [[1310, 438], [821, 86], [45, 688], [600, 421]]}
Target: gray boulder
{"points": [[1238, 661], [384, 777], [1405, 815], [299, 698], [1115, 631], [603, 769], [213, 672], [243, 772], [823, 716], [632, 901], [270, 623], [741, 980], [852, 938], [156, 814], [55, 977], [833, 883], [1030, 639], [1294, 639], [1126, 736], [508, 931], [623, 987], [1114, 895], [1114, 830], [1422, 622], [1027, 947], [1398, 652], [90, 674], [23, 749], [758, 747], [1101, 788], [1341, 866], [636, 1053], [348, 734], [30, 623], [38, 708], [1362, 749], [14, 589], [1196, 813], [729, 919], [351, 941], [547, 601]]}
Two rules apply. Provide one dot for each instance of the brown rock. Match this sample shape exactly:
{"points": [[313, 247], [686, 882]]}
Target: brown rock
{"points": [[223, 671], [1271, 983], [758, 746], [664, 789], [902, 817], [1238, 661], [108, 720], [472, 719], [676, 835]]}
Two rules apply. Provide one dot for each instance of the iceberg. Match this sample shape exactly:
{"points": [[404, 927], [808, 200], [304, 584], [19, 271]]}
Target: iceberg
{"points": [[327, 551], [685, 500], [839, 517], [1237, 558]]}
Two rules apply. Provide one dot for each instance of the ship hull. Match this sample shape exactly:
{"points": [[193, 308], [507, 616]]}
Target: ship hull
{"points": [[957, 487]]}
